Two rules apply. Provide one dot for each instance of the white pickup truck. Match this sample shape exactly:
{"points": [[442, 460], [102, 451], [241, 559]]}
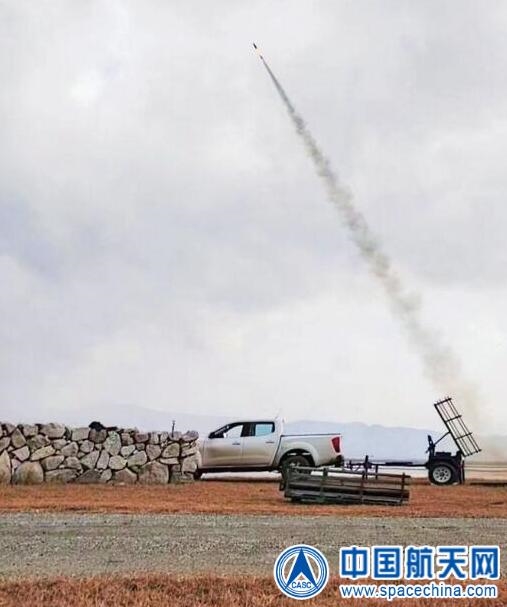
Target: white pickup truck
{"points": [[258, 446]]}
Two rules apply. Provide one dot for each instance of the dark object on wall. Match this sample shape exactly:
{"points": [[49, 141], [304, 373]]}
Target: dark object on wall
{"points": [[98, 426]]}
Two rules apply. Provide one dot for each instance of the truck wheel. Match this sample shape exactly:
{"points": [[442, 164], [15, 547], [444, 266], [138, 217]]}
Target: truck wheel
{"points": [[197, 474], [443, 474], [295, 460]]}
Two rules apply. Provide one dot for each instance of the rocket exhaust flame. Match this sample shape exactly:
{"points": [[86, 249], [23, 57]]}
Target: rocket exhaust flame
{"points": [[439, 363]]}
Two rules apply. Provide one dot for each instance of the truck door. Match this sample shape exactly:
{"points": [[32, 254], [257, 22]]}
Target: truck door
{"points": [[260, 446], [224, 447]]}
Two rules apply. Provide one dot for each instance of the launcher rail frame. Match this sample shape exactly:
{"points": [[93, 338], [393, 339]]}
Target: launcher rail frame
{"points": [[437, 460], [327, 485]]}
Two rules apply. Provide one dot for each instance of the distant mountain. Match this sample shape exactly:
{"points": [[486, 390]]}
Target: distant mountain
{"points": [[358, 439], [124, 415]]}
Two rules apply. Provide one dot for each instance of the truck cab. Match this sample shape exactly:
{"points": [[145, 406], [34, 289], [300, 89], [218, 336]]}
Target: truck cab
{"points": [[242, 444]]}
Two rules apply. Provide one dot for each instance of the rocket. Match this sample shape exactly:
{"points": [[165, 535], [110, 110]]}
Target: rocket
{"points": [[257, 50]]}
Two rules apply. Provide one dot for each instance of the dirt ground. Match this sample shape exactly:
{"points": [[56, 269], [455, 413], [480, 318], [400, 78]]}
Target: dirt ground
{"points": [[190, 591], [252, 497]]}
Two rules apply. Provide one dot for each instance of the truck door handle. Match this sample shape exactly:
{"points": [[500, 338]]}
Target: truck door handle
{"points": [[236, 443], [270, 442]]}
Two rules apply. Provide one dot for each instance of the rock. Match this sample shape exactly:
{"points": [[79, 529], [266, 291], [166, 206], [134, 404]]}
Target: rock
{"points": [[37, 442], [117, 462], [73, 463], [153, 451], [22, 454], [53, 430], [140, 446], [98, 436], [126, 439], [28, 473], [170, 461], [137, 459], [190, 435], [87, 446], [187, 451], [4, 443], [89, 460], [164, 437], [61, 476], [5, 469], [154, 438], [172, 450], [59, 443], [42, 453], [70, 450], [14, 464], [175, 436], [154, 473], [79, 434], [106, 476], [8, 428], [52, 462], [176, 474], [189, 465], [127, 450], [112, 444], [17, 439], [141, 437], [103, 460], [29, 430], [89, 477], [125, 476]]}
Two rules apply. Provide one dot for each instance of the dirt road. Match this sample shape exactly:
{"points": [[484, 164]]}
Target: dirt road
{"points": [[51, 544]]}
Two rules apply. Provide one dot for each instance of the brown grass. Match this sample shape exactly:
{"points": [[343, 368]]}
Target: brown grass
{"points": [[241, 497], [186, 591]]}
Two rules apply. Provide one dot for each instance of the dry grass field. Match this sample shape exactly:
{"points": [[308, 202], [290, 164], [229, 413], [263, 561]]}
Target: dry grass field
{"points": [[189, 591], [252, 497]]}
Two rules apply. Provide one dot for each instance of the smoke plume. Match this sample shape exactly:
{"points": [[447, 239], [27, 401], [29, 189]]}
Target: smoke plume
{"points": [[439, 363]]}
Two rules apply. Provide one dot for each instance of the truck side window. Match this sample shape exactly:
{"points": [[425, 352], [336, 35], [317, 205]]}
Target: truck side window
{"points": [[234, 431], [264, 428]]}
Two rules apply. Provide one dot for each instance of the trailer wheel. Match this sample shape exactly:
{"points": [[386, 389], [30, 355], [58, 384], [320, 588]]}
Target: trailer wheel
{"points": [[443, 474]]}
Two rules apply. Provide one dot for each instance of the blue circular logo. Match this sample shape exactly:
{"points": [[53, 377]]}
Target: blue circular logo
{"points": [[301, 572]]}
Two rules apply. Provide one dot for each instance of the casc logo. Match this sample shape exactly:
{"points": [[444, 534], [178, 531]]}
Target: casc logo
{"points": [[301, 572]]}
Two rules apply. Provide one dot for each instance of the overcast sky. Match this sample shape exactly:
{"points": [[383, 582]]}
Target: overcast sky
{"points": [[165, 242]]}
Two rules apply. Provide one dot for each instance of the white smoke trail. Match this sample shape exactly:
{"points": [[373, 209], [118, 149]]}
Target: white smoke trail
{"points": [[439, 363]]}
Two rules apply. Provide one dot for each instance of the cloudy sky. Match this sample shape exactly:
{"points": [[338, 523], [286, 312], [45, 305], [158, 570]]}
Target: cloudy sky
{"points": [[164, 240]]}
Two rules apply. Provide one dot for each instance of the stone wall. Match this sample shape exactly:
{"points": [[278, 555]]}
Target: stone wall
{"points": [[54, 453]]}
